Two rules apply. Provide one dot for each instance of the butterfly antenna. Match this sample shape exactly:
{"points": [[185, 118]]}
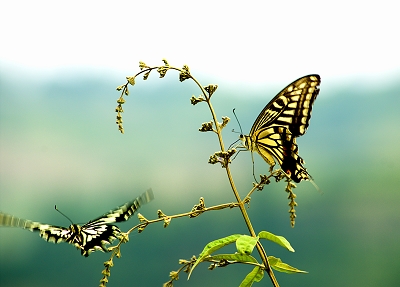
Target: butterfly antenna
{"points": [[55, 207], [241, 131], [252, 159]]}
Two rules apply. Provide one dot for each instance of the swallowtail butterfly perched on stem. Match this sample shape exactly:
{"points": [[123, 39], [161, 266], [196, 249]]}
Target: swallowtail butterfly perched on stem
{"points": [[89, 237], [283, 119]]}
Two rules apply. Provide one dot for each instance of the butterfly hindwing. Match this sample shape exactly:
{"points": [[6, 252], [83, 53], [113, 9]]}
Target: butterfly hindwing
{"points": [[96, 237], [285, 117]]}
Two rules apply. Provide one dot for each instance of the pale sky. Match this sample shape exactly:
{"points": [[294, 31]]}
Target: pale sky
{"points": [[250, 41]]}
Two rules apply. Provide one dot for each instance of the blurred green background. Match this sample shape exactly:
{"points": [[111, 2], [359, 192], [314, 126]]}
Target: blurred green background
{"points": [[60, 145], [59, 66]]}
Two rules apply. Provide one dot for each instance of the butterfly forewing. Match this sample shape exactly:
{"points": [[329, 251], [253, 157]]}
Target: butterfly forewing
{"points": [[284, 118], [49, 233], [98, 232], [54, 234], [291, 108], [124, 212], [89, 237]]}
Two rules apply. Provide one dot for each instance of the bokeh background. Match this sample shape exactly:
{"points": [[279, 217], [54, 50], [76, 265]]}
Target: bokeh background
{"points": [[59, 144]]}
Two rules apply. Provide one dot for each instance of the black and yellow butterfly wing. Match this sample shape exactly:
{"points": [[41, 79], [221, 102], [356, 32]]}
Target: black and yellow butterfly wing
{"points": [[50, 233], [284, 118], [94, 235], [98, 232]]}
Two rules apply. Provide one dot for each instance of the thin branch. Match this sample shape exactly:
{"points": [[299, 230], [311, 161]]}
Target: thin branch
{"points": [[192, 213], [218, 129], [235, 262]]}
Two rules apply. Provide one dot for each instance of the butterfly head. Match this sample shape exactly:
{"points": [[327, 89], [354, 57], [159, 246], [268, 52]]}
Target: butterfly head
{"points": [[248, 143], [244, 138], [75, 235], [75, 228]]}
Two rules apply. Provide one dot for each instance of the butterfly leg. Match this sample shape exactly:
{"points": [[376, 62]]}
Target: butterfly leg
{"points": [[252, 159], [235, 155]]}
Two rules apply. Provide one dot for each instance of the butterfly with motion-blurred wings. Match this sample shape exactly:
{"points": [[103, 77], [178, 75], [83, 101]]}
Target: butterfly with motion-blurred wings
{"points": [[283, 119], [94, 235]]}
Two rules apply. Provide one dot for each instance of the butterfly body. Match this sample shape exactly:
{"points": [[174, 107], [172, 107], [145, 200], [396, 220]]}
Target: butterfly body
{"points": [[283, 119], [94, 235]]}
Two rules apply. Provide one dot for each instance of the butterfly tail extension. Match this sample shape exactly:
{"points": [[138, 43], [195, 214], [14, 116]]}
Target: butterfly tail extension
{"points": [[293, 166], [292, 163]]}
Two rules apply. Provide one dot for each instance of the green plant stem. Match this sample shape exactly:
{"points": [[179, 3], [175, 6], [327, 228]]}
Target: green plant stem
{"points": [[193, 213], [246, 218], [241, 203], [235, 262], [190, 213]]}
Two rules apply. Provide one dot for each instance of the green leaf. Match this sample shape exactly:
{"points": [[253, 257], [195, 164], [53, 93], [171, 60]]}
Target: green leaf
{"points": [[260, 275], [256, 275], [277, 239], [245, 244], [278, 265], [233, 257], [214, 246]]}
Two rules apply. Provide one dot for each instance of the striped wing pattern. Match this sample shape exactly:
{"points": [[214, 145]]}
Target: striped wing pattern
{"points": [[283, 119], [94, 235]]}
